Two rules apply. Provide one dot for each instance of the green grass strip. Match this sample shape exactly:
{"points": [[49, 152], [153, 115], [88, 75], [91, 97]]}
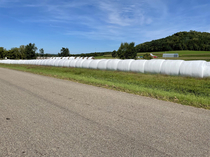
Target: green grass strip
{"points": [[184, 90]]}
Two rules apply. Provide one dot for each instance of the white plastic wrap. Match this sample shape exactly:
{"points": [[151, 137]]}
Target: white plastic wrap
{"points": [[112, 64], [192, 68], [73, 63], [206, 72], [79, 63], [94, 64], [66, 63], [60, 64], [124, 65], [102, 64], [52, 62], [86, 63], [42, 62], [138, 66], [153, 66], [171, 67], [56, 62]]}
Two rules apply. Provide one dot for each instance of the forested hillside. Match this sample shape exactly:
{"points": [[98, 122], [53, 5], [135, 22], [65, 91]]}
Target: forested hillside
{"points": [[191, 40]]}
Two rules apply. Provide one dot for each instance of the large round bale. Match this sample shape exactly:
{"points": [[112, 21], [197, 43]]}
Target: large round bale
{"points": [[79, 63], [52, 62], [42, 62], [206, 72], [171, 67], [70, 58], [45, 62], [192, 68], [138, 66], [73, 63], [112, 64], [36, 62], [56, 62], [94, 64], [27, 62], [103, 64], [48, 62], [66, 63], [124, 65], [86, 63], [10, 62], [153, 66], [60, 64], [7, 61]]}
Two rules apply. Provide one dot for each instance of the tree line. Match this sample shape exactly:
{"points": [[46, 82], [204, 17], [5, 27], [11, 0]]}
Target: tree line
{"points": [[29, 52], [192, 40]]}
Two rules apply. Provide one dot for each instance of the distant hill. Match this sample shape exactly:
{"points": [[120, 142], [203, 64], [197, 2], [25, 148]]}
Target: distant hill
{"points": [[191, 40]]}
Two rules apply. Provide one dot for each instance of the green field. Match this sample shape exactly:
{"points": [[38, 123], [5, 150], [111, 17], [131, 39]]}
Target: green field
{"points": [[183, 90], [183, 55]]}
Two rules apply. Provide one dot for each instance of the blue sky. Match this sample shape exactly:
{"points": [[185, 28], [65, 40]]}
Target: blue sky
{"points": [[97, 25]]}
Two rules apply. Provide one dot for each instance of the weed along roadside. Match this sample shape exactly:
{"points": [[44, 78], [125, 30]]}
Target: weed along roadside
{"points": [[184, 90]]}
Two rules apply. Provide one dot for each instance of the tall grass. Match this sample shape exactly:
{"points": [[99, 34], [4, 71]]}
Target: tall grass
{"points": [[183, 90]]}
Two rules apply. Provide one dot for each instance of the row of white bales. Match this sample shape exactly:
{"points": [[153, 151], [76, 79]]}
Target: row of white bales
{"points": [[199, 69]]}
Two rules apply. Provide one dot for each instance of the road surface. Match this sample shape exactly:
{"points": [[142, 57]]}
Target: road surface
{"points": [[43, 116]]}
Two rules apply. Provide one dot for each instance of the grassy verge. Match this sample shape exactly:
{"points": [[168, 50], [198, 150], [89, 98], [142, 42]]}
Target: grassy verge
{"points": [[183, 90]]}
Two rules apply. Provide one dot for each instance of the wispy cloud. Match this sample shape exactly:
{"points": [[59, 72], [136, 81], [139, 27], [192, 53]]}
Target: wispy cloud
{"points": [[113, 20]]}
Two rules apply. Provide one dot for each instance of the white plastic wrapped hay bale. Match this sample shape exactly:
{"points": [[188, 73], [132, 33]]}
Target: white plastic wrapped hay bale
{"points": [[56, 62], [73, 63], [66, 63], [192, 68], [138, 66], [42, 62], [45, 62], [112, 64], [10, 62], [124, 65], [171, 67], [206, 72], [79, 63], [60, 64], [52, 62], [94, 64], [70, 58], [103, 64], [86, 63], [153, 66]]}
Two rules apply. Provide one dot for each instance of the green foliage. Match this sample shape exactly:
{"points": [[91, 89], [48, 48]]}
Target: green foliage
{"points": [[147, 56], [114, 54], [3, 52], [64, 52], [179, 41], [41, 52], [127, 51], [30, 51]]}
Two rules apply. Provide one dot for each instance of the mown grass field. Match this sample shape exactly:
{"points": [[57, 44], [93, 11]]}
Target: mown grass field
{"points": [[183, 55], [184, 90]]}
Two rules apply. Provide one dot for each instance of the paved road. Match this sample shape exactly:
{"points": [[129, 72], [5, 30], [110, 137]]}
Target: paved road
{"points": [[43, 116]]}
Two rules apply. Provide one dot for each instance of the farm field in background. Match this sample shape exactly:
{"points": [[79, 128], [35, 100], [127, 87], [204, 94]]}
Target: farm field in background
{"points": [[183, 55], [183, 90]]}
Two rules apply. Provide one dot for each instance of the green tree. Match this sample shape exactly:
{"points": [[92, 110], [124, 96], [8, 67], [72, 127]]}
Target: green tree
{"points": [[114, 54], [22, 52], [3, 52], [30, 51], [41, 52], [64, 52], [127, 51]]}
